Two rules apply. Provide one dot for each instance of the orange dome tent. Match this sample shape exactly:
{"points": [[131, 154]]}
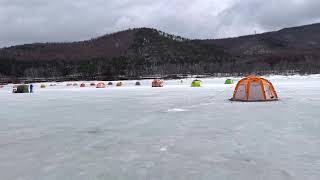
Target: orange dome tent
{"points": [[101, 85], [254, 88], [157, 83]]}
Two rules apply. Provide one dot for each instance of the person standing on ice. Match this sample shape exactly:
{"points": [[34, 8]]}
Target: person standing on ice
{"points": [[31, 88]]}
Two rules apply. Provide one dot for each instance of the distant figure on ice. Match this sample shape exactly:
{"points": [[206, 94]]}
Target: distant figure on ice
{"points": [[31, 88]]}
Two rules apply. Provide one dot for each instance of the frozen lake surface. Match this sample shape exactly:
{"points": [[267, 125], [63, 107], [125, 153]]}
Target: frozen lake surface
{"points": [[171, 133]]}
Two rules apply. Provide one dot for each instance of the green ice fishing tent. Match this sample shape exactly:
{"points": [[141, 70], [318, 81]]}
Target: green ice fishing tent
{"points": [[196, 83], [229, 81]]}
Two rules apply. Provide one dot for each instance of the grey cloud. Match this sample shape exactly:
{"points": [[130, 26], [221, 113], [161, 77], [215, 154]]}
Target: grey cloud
{"points": [[246, 17], [28, 21]]}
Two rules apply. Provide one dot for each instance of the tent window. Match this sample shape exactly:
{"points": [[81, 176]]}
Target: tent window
{"points": [[241, 92]]}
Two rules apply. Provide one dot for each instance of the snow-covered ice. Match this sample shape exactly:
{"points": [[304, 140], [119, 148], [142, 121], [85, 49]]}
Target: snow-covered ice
{"points": [[171, 133]]}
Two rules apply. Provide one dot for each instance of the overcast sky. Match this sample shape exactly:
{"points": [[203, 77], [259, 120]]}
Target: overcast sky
{"points": [[28, 21]]}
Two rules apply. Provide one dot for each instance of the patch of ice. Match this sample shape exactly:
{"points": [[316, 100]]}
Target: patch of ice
{"points": [[165, 148], [59, 128], [176, 110]]}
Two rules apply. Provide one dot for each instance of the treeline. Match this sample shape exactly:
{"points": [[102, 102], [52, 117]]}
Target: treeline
{"points": [[137, 67]]}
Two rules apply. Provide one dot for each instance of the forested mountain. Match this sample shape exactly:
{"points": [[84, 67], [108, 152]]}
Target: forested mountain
{"points": [[295, 48], [145, 52]]}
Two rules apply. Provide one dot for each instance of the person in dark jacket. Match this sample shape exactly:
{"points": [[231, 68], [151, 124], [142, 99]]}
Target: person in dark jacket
{"points": [[31, 88]]}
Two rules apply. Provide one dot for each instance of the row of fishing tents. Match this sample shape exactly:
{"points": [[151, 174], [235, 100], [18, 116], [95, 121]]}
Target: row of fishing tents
{"points": [[251, 88], [155, 83], [248, 89]]}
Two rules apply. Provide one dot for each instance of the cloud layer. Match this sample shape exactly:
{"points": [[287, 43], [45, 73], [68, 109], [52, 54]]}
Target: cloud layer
{"points": [[60, 20]]}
